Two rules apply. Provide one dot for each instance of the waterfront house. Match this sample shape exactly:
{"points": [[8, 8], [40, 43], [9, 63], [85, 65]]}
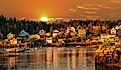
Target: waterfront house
{"points": [[23, 33], [55, 33], [81, 31], [113, 31], [10, 36]]}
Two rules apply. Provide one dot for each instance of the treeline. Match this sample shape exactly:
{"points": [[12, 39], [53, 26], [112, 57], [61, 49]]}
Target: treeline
{"points": [[14, 25]]}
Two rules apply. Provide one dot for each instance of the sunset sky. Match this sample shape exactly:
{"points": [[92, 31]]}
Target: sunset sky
{"points": [[34, 9]]}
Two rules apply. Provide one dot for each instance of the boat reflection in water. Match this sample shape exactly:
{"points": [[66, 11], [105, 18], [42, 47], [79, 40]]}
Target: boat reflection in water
{"points": [[53, 59]]}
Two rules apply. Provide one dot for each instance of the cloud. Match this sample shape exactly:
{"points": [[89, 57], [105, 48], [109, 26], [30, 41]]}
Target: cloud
{"points": [[92, 17], [87, 12], [104, 6], [73, 10], [81, 7], [86, 8], [99, 9], [94, 6], [115, 1]]}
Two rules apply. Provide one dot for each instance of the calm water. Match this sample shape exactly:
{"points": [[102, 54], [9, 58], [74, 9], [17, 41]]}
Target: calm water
{"points": [[53, 59]]}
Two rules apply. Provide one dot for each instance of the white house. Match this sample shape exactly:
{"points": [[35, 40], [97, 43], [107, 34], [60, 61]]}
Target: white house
{"points": [[23, 33], [55, 33], [113, 31]]}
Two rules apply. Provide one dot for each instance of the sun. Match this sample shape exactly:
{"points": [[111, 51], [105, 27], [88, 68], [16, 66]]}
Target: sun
{"points": [[44, 19]]}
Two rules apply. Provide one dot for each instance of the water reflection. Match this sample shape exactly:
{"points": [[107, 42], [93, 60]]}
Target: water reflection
{"points": [[107, 68], [8, 62], [53, 59]]}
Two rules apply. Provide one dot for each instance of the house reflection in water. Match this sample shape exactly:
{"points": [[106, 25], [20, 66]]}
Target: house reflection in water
{"points": [[55, 59], [63, 59], [8, 62], [12, 61]]}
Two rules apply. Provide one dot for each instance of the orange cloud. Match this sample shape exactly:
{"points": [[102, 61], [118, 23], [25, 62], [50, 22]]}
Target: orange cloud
{"points": [[87, 12], [115, 1], [73, 10], [87, 8]]}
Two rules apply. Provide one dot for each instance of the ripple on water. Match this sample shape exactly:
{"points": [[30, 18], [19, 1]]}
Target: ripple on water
{"points": [[52, 59]]}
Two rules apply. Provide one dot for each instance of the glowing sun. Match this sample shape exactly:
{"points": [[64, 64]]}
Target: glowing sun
{"points": [[44, 19]]}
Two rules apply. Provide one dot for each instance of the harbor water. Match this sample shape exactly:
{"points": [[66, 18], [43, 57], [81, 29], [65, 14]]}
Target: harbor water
{"points": [[53, 58]]}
